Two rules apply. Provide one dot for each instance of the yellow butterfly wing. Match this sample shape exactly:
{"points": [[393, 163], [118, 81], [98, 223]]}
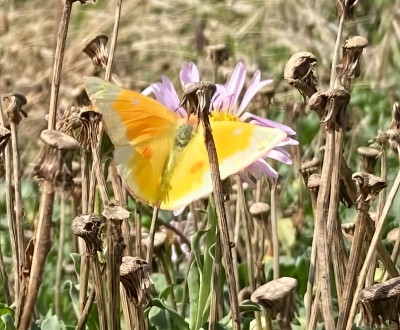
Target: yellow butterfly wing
{"points": [[143, 132], [238, 144]]}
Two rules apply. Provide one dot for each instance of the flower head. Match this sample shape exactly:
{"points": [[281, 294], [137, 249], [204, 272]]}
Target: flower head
{"points": [[227, 102]]}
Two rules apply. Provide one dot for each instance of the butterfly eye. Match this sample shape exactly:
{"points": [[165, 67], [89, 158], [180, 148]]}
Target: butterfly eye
{"points": [[135, 101]]}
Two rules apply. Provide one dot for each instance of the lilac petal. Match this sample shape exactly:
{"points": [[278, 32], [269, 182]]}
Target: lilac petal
{"points": [[288, 142], [256, 170], [253, 119], [189, 73], [165, 93], [235, 83], [280, 155], [253, 89]]}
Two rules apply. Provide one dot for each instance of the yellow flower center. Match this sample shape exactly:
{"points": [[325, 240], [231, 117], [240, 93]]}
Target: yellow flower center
{"points": [[223, 116]]}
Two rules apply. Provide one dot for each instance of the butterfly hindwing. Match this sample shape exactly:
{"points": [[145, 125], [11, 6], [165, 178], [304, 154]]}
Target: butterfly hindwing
{"points": [[238, 144], [143, 132]]}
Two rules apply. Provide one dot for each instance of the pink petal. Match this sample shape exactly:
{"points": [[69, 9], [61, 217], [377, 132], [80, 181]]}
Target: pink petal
{"points": [[165, 93], [280, 155], [235, 83], [253, 119], [189, 73], [253, 89]]}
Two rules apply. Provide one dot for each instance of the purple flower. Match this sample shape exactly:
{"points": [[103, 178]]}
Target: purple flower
{"points": [[226, 100]]}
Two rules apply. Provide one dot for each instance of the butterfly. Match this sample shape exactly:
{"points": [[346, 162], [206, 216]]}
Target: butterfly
{"points": [[162, 157]]}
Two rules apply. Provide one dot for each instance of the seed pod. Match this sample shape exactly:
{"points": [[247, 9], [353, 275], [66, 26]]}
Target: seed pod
{"points": [[369, 157], [278, 297], [135, 277], [352, 50], [380, 303], [88, 227], [300, 73], [96, 49]]}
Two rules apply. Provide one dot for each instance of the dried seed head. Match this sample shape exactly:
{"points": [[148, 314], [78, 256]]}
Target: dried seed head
{"points": [[380, 140], [368, 185], [197, 97], [348, 230], [313, 183], [82, 123], [14, 111], [380, 303], [218, 54], [96, 49], [300, 73], [59, 140], [317, 103], [88, 227], [369, 157], [260, 212], [55, 160], [115, 212], [244, 294], [352, 50], [309, 168], [279, 297], [346, 8], [135, 277]]}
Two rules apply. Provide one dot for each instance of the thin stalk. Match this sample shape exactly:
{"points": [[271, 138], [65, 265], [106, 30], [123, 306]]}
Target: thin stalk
{"points": [[11, 223], [168, 278], [353, 263], [222, 222], [333, 222], [113, 41], [84, 267], [313, 263], [18, 207], [86, 310], [43, 240], [42, 247], [216, 285], [321, 214], [336, 52], [372, 249], [275, 242], [247, 236], [60, 258], [58, 62], [149, 256], [98, 283], [138, 229]]}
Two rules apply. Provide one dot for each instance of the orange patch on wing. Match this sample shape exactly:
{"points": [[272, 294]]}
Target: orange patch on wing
{"points": [[146, 152], [196, 166]]}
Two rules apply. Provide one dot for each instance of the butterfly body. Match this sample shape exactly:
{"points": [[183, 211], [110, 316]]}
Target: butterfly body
{"points": [[161, 156]]}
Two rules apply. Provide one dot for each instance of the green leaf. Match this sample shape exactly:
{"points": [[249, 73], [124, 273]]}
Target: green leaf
{"points": [[7, 322], [51, 323], [76, 258], [74, 295], [193, 288], [171, 319], [160, 282], [249, 306], [166, 292], [203, 308]]}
